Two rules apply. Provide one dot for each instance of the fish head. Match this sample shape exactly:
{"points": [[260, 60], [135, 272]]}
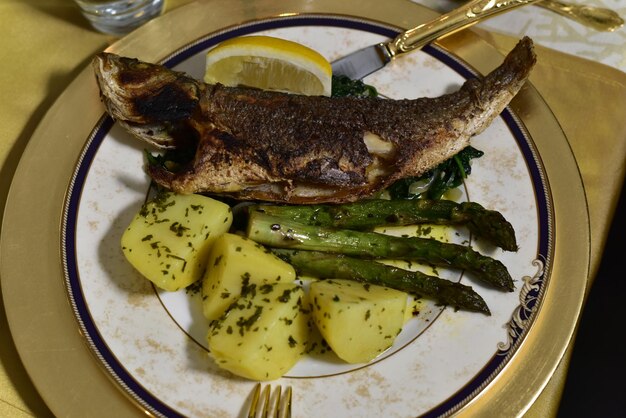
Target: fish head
{"points": [[145, 98]]}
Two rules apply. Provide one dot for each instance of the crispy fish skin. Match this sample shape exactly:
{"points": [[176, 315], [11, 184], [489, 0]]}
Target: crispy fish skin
{"points": [[255, 144]]}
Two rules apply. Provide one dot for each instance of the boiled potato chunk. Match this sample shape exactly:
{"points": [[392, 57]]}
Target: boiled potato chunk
{"points": [[358, 321], [263, 334], [169, 240], [236, 261]]}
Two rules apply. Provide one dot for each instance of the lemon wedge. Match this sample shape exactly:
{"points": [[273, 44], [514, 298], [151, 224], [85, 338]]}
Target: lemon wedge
{"points": [[269, 63]]}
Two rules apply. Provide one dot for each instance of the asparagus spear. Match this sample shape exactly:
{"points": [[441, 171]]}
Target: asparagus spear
{"points": [[285, 233], [325, 265], [367, 214]]}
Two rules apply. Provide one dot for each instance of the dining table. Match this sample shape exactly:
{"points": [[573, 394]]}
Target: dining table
{"points": [[580, 73]]}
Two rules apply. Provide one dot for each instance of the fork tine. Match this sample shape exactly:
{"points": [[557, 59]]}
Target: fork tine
{"points": [[266, 401], [277, 402], [255, 401], [261, 402], [288, 403]]}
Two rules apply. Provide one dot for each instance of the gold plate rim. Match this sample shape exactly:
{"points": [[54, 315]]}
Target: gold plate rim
{"points": [[42, 322]]}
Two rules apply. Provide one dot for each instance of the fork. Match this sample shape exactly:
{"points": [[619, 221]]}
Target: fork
{"points": [[281, 407], [599, 18]]}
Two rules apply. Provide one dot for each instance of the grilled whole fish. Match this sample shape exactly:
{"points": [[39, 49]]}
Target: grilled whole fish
{"points": [[265, 145]]}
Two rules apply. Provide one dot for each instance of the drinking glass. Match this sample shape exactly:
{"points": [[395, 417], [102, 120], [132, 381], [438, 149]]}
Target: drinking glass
{"points": [[118, 17]]}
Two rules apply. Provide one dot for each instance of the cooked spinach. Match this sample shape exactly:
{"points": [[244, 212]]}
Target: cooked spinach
{"points": [[446, 176], [343, 86]]}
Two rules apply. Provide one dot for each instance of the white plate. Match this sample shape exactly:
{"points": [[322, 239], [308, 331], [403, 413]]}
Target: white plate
{"points": [[152, 344], [159, 339]]}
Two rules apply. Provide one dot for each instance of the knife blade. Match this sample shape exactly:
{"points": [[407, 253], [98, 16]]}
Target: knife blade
{"points": [[366, 61]]}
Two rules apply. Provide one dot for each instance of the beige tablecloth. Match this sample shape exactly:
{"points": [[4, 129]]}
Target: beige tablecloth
{"points": [[45, 43]]}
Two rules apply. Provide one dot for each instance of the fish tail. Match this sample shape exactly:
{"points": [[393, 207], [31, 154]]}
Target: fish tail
{"points": [[514, 70]]}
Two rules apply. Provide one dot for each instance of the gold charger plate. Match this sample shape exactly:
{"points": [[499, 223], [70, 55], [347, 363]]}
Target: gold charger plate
{"points": [[72, 380]]}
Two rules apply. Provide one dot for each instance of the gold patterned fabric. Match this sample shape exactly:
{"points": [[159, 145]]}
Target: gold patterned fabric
{"points": [[45, 43]]}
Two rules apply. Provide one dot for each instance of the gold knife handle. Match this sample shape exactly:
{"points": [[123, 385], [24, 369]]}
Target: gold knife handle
{"points": [[453, 21]]}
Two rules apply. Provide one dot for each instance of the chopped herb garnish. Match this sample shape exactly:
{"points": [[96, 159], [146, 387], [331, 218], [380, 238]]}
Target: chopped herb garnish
{"points": [[245, 324], [194, 288], [178, 229], [292, 342], [284, 298], [266, 288]]}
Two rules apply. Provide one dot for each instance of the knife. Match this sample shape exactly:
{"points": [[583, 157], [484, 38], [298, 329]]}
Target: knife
{"points": [[363, 62]]}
